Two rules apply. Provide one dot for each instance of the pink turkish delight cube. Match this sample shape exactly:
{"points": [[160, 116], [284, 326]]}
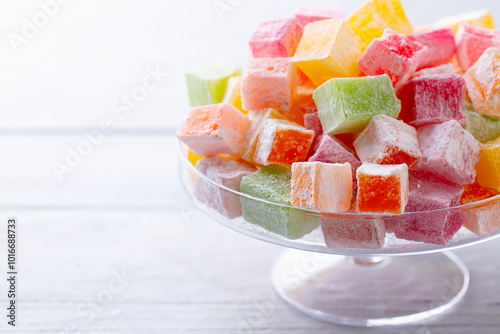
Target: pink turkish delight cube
{"points": [[438, 70], [429, 221], [395, 55], [226, 172], [441, 45], [472, 42], [344, 233], [312, 122], [276, 39], [448, 151], [387, 141], [433, 99], [306, 15]]}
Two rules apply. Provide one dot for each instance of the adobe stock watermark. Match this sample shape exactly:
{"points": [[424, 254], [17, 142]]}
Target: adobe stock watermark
{"points": [[31, 26], [120, 110], [293, 279], [98, 303], [223, 7]]}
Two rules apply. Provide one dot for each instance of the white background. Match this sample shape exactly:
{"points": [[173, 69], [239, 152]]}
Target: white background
{"points": [[91, 52]]}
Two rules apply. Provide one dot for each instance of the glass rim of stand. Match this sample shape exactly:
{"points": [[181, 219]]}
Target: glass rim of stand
{"points": [[411, 248]]}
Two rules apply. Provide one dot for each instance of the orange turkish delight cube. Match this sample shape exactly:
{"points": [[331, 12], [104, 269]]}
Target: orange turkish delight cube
{"points": [[282, 142], [382, 188], [482, 220], [214, 129], [269, 83]]}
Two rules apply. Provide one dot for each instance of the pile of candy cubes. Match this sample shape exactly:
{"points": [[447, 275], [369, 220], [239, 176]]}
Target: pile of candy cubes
{"points": [[359, 115]]}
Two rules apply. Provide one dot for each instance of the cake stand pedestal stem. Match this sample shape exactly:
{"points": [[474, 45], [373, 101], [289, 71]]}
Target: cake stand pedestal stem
{"points": [[370, 291]]}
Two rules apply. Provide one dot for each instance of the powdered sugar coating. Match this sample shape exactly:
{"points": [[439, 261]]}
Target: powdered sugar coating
{"points": [[433, 99], [323, 187], [328, 49], [312, 122], [483, 220], [214, 129], [353, 234], [276, 39], [395, 55], [332, 151], [387, 141], [257, 120], [472, 42], [282, 142], [430, 193], [483, 83], [441, 45], [438, 70], [346, 105], [273, 183], [374, 16], [269, 83], [448, 151], [483, 128], [226, 172], [382, 188]]}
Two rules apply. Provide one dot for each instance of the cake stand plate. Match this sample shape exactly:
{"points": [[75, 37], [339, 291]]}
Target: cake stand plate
{"points": [[370, 291]]}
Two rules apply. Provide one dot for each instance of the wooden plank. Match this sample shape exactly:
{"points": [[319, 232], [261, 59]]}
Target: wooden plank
{"points": [[186, 274]]}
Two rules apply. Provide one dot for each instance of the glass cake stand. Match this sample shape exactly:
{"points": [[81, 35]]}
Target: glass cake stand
{"points": [[402, 283]]}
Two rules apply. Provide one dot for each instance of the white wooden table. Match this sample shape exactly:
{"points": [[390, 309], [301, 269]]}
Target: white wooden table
{"points": [[114, 246], [180, 272]]}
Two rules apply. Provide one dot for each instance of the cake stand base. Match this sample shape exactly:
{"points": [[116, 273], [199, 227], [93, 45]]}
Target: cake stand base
{"points": [[370, 291]]}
